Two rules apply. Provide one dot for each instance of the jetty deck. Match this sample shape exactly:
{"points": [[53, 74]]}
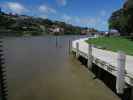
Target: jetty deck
{"points": [[107, 60]]}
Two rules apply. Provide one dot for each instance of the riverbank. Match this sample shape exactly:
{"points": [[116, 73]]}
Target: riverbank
{"points": [[113, 44]]}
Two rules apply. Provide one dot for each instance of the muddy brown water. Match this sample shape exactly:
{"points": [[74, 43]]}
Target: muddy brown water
{"points": [[39, 68]]}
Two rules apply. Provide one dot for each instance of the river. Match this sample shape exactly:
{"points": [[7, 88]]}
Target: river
{"points": [[40, 68]]}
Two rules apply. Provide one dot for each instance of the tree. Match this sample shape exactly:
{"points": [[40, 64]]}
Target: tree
{"points": [[122, 19]]}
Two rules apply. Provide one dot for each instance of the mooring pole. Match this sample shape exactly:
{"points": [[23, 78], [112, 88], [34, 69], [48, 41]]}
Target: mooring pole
{"points": [[69, 46], [90, 59], [77, 50], [120, 78], [56, 41]]}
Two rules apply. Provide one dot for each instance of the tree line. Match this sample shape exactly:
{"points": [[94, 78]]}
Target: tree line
{"points": [[122, 19]]}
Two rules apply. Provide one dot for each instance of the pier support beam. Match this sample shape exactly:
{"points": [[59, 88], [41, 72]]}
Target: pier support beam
{"points": [[77, 50], [120, 78], [131, 97], [90, 59]]}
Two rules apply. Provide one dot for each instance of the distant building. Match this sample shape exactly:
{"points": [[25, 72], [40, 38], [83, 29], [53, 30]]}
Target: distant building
{"points": [[43, 28], [88, 31], [84, 32], [56, 30], [12, 14], [114, 32]]}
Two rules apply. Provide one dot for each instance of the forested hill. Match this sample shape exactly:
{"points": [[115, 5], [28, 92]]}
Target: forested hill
{"points": [[19, 25]]}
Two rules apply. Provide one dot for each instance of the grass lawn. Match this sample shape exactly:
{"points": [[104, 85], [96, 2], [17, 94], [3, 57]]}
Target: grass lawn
{"points": [[113, 44]]}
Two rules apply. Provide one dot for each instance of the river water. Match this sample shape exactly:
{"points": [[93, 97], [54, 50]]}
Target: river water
{"points": [[40, 68]]}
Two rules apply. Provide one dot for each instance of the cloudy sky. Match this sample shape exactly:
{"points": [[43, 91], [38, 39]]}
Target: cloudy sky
{"points": [[88, 13]]}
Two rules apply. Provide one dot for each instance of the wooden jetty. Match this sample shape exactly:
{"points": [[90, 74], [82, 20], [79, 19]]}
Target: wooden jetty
{"points": [[118, 64], [3, 85]]}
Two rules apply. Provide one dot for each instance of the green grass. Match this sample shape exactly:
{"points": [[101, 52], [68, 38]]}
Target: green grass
{"points": [[113, 44]]}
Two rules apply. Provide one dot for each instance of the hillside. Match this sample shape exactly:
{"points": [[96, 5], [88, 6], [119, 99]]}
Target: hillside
{"points": [[19, 25]]}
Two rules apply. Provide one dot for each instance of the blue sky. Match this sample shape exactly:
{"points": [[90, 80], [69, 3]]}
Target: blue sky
{"points": [[88, 13]]}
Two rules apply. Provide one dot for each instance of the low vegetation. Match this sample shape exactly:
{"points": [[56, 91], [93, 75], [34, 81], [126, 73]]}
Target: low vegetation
{"points": [[113, 44]]}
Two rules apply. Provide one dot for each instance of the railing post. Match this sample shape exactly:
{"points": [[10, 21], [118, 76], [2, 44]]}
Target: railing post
{"points": [[120, 78], [90, 59], [77, 50]]}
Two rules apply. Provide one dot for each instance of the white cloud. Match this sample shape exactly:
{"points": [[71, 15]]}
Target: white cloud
{"points": [[66, 18], [62, 2], [43, 16], [75, 20], [86, 21], [99, 22], [103, 13], [46, 9], [15, 7]]}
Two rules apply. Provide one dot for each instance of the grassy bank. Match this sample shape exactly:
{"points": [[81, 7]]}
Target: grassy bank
{"points": [[113, 44]]}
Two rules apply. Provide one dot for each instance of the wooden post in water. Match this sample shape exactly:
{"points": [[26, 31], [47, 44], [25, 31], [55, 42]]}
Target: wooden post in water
{"points": [[120, 78], [89, 56], [56, 41], [77, 50], [69, 44]]}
